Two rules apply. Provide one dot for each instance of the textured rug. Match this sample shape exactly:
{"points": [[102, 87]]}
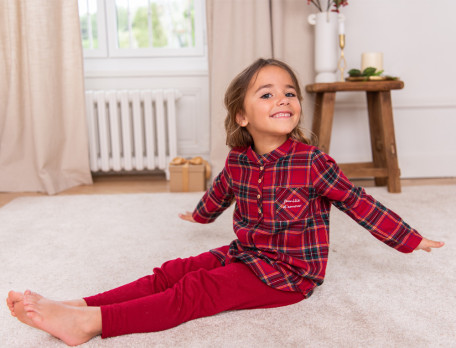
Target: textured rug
{"points": [[67, 247]]}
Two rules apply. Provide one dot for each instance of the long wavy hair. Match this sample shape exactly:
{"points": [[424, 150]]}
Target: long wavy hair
{"points": [[237, 136]]}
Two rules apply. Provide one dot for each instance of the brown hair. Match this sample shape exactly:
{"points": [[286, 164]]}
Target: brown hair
{"points": [[237, 136]]}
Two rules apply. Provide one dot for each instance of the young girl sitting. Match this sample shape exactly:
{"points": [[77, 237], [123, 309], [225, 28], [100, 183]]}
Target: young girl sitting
{"points": [[283, 189]]}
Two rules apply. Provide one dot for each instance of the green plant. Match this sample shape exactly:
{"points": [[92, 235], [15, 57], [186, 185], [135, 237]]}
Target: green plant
{"points": [[370, 71], [369, 74]]}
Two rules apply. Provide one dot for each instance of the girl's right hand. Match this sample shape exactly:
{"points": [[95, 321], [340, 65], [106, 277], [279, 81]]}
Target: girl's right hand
{"points": [[427, 245], [188, 216]]}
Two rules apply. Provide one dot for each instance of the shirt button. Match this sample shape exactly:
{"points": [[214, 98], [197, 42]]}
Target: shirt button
{"points": [[259, 196], [259, 211], [261, 168], [259, 181]]}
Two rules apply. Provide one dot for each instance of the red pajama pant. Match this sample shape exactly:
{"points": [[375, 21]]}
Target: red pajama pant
{"points": [[182, 290]]}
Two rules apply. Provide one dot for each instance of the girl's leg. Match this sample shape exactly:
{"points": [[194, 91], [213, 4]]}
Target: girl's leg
{"points": [[161, 279], [75, 323], [200, 293]]}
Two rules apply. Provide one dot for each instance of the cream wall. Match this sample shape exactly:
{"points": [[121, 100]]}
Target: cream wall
{"points": [[419, 45]]}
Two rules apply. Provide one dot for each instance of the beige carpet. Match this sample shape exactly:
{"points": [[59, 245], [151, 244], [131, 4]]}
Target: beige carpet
{"points": [[72, 246]]}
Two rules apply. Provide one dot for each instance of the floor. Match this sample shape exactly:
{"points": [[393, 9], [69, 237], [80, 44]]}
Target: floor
{"points": [[106, 184], [118, 184]]}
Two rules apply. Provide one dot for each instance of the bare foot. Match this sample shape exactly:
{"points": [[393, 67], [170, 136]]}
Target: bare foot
{"points": [[75, 303], [74, 325], [16, 304], [13, 297]]}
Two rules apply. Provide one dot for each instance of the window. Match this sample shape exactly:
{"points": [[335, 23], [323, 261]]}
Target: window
{"points": [[93, 33], [142, 28]]}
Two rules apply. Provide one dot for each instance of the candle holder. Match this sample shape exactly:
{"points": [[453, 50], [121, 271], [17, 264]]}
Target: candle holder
{"points": [[342, 64]]}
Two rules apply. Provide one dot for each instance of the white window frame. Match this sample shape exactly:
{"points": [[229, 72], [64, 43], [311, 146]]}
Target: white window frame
{"points": [[107, 37], [102, 50]]}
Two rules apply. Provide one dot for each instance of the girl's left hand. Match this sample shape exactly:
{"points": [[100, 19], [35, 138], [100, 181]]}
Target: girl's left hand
{"points": [[188, 216], [427, 245]]}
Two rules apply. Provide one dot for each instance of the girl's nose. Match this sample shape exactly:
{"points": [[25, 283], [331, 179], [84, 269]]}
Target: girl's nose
{"points": [[283, 100]]}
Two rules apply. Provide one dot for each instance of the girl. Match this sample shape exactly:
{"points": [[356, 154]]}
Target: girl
{"points": [[283, 188]]}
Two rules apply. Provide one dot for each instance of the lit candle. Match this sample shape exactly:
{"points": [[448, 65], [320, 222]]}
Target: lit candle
{"points": [[372, 59], [341, 28]]}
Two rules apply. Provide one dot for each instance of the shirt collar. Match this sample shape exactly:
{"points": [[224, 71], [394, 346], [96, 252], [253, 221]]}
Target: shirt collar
{"points": [[272, 156]]}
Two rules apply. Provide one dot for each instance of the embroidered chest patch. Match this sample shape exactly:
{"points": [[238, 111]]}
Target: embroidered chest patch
{"points": [[291, 203]]}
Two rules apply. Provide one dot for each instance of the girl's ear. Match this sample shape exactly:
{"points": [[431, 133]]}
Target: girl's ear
{"points": [[241, 120]]}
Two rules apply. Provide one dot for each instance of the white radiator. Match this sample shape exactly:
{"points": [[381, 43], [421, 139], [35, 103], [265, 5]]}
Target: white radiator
{"points": [[131, 129]]}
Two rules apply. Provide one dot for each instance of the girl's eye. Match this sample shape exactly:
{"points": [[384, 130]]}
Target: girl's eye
{"points": [[269, 95]]}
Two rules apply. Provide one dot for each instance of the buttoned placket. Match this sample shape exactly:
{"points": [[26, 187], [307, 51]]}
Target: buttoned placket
{"points": [[260, 189]]}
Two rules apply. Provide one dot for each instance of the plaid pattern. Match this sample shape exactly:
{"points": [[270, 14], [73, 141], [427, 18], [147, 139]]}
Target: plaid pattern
{"points": [[281, 218]]}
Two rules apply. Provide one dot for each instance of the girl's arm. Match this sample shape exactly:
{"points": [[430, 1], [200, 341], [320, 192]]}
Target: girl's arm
{"points": [[214, 202], [216, 199], [380, 221]]}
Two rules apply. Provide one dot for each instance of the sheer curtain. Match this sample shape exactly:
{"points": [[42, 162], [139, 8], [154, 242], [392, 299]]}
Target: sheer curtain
{"points": [[239, 32], [43, 136]]}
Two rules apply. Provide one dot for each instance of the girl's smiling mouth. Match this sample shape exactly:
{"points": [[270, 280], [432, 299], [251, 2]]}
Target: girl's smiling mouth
{"points": [[281, 115]]}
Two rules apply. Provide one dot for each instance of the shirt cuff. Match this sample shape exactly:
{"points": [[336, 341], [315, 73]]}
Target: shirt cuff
{"points": [[202, 220], [413, 240]]}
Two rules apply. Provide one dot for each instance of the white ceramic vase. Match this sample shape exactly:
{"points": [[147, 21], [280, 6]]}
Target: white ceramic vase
{"points": [[326, 44]]}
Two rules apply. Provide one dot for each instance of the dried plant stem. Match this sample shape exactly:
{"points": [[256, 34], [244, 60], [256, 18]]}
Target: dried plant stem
{"points": [[329, 5], [317, 4]]}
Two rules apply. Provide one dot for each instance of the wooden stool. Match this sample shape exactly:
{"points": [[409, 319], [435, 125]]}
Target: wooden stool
{"points": [[384, 167]]}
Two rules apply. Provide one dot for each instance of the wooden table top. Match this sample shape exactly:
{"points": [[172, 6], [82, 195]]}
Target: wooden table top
{"points": [[368, 86]]}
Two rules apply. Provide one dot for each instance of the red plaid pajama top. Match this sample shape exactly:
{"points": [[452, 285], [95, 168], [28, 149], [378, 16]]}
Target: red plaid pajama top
{"points": [[281, 217]]}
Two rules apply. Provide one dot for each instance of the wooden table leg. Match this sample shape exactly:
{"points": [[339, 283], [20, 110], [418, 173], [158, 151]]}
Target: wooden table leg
{"points": [[383, 139], [323, 118], [376, 135]]}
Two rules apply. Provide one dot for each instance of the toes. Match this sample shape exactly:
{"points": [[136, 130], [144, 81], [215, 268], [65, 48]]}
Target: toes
{"points": [[10, 305], [27, 293], [31, 297], [14, 296], [29, 307], [35, 317], [13, 313], [27, 297]]}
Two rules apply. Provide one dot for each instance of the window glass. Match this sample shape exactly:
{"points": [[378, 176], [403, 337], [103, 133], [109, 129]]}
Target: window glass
{"points": [[88, 11], [155, 23]]}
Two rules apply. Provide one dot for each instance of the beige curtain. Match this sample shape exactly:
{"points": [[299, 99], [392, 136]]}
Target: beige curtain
{"points": [[240, 31], [43, 137]]}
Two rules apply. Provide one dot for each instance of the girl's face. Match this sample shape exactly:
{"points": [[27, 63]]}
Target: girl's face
{"points": [[271, 106]]}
